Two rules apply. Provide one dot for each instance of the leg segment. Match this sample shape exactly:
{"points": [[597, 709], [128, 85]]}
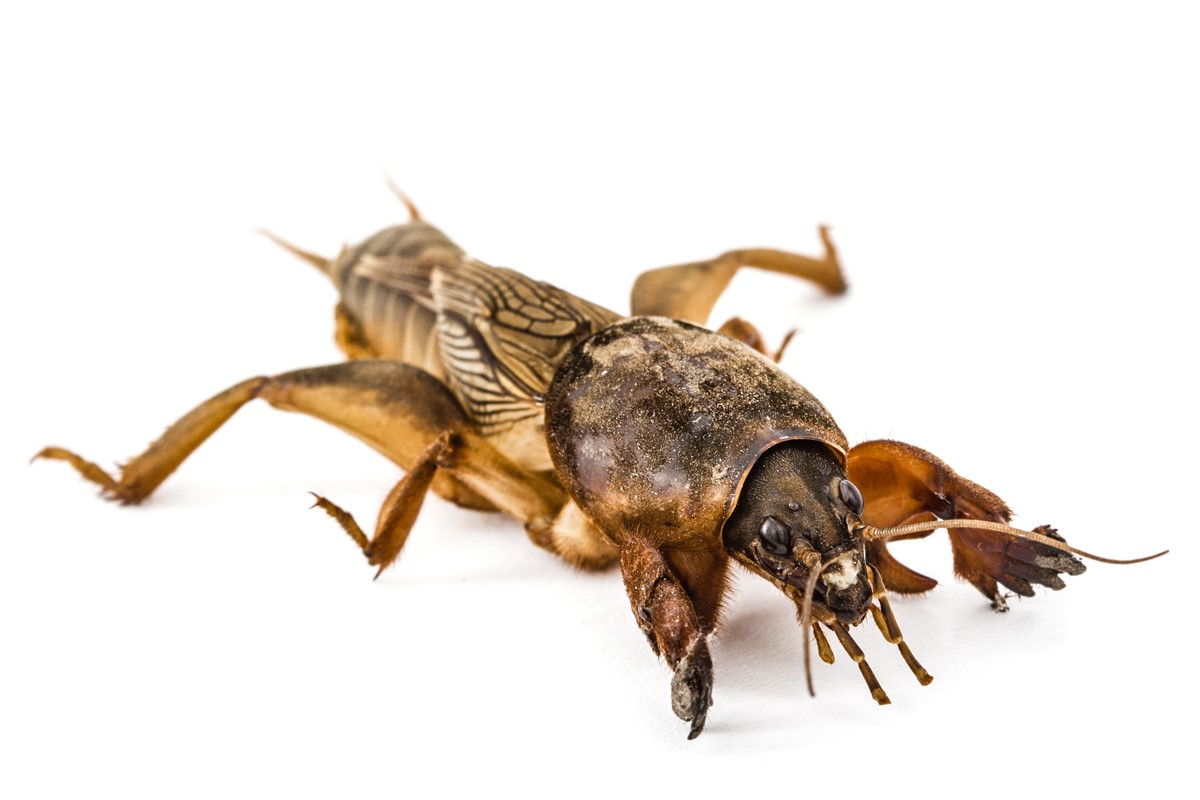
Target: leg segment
{"points": [[881, 611], [823, 648], [858, 657], [397, 409], [745, 332], [703, 575], [141, 476], [573, 537], [398, 513], [901, 484], [689, 291], [667, 613]]}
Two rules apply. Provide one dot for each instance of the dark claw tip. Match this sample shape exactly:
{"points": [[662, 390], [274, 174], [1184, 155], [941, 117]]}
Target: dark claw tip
{"points": [[1051, 531]]}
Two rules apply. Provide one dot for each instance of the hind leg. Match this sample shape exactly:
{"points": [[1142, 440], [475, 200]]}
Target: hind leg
{"points": [[400, 410], [689, 291]]}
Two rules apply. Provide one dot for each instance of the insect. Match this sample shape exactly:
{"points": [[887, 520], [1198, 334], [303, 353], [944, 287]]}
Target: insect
{"points": [[643, 441]]}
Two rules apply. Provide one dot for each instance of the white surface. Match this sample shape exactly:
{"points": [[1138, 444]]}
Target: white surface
{"points": [[1015, 200]]}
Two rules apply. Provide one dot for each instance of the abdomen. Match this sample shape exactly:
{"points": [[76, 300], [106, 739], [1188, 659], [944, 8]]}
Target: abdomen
{"points": [[384, 283]]}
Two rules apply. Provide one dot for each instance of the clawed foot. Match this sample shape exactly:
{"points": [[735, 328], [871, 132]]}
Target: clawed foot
{"points": [[691, 687], [120, 489], [1019, 564]]}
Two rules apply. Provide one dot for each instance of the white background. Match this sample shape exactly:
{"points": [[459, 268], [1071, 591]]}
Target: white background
{"points": [[1014, 193]]}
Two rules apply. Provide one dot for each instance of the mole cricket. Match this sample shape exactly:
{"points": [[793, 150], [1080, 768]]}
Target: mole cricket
{"points": [[642, 441]]}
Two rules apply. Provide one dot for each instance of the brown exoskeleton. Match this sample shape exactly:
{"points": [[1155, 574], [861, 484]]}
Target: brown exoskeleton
{"points": [[644, 441]]}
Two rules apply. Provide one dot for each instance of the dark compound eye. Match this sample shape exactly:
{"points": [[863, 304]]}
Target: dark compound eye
{"points": [[851, 496], [777, 537]]}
